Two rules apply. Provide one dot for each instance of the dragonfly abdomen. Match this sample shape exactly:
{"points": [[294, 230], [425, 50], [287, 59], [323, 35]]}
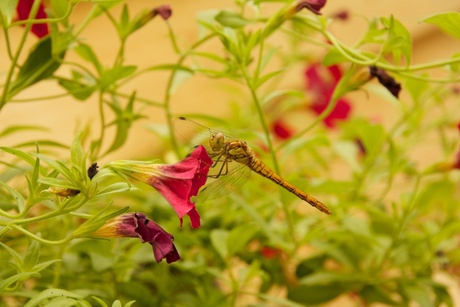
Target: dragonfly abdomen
{"points": [[262, 169]]}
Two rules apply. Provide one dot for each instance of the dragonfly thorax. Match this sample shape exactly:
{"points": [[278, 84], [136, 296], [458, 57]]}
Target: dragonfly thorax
{"points": [[217, 141]]}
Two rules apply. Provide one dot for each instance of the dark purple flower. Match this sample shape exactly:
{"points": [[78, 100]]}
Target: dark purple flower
{"points": [[137, 225], [386, 80], [92, 170], [313, 5], [164, 11], [23, 10]]}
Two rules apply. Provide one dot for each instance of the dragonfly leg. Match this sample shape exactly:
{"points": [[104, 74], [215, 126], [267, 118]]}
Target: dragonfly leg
{"points": [[221, 170]]}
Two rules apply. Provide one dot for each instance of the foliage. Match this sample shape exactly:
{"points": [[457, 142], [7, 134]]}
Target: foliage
{"points": [[394, 226]]}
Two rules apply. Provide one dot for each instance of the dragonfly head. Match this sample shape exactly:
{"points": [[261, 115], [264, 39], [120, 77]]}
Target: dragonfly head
{"points": [[216, 141]]}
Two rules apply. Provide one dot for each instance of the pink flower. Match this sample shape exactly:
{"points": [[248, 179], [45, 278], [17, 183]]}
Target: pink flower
{"points": [[321, 82], [23, 10], [138, 225], [176, 182]]}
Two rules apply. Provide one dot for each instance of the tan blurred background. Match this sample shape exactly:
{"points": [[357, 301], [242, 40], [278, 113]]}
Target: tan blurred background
{"points": [[151, 46]]}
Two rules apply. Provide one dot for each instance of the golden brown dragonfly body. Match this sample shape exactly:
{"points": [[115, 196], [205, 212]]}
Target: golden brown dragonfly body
{"points": [[233, 158]]}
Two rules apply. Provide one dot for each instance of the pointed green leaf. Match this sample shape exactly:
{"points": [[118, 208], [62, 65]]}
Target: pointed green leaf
{"points": [[448, 22], [40, 64], [239, 237], [231, 19], [112, 75], [49, 294], [86, 52], [219, 241], [32, 254], [8, 9], [5, 283]]}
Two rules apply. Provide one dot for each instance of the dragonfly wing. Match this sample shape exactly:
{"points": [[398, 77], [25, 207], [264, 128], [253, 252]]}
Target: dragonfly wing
{"points": [[196, 134], [225, 184]]}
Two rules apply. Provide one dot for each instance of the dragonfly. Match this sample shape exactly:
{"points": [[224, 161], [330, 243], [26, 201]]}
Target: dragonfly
{"points": [[233, 161]]}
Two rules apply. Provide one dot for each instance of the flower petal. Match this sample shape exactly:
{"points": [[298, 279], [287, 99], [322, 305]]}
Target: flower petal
{"points": [[23, 9]]}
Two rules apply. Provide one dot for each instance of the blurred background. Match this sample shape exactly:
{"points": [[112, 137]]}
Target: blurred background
{"points": [[151, 45]]}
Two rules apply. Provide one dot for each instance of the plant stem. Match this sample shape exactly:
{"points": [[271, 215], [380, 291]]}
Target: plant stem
{"points": [[5, 94]]}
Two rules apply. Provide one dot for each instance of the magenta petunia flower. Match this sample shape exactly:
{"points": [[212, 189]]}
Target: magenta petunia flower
{"points": [[135, 225], [176, 182], [23, 10], [321, 82]]}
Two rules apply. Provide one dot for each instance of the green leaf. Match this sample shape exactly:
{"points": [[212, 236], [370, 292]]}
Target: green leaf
{"points": [[58, 166], [14, 129], [317, 294], [49, 294], [43, 265], [448, 22], [419, 293], [8, 9], [5, 283], [112, 75], [18, 263], [31, 256], [377, 294], [219, 241], [86, 52], [239, 237], [231, 19], [115, 188], [60, 8], [58, 183], [310, 265], [77, 89], [399, 41], [20, 200], [124, 119], [39, 65]]}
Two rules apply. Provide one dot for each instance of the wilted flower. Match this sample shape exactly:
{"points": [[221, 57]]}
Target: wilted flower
{"points": [[386, 80], [176, 182], [64, 192], [92, 170], [321, 82], [313, 5], [135, 225], [164, 11], [23, 11]]}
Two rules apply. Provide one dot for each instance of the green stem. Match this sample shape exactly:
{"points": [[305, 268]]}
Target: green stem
{"points": [[41, 240], [407, 212], [9, 76], [167, 98]]}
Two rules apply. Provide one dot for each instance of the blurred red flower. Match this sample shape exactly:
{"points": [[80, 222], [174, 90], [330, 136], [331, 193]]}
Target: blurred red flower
{"points": [[321, 82], [281, 130], [23, 10]]}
